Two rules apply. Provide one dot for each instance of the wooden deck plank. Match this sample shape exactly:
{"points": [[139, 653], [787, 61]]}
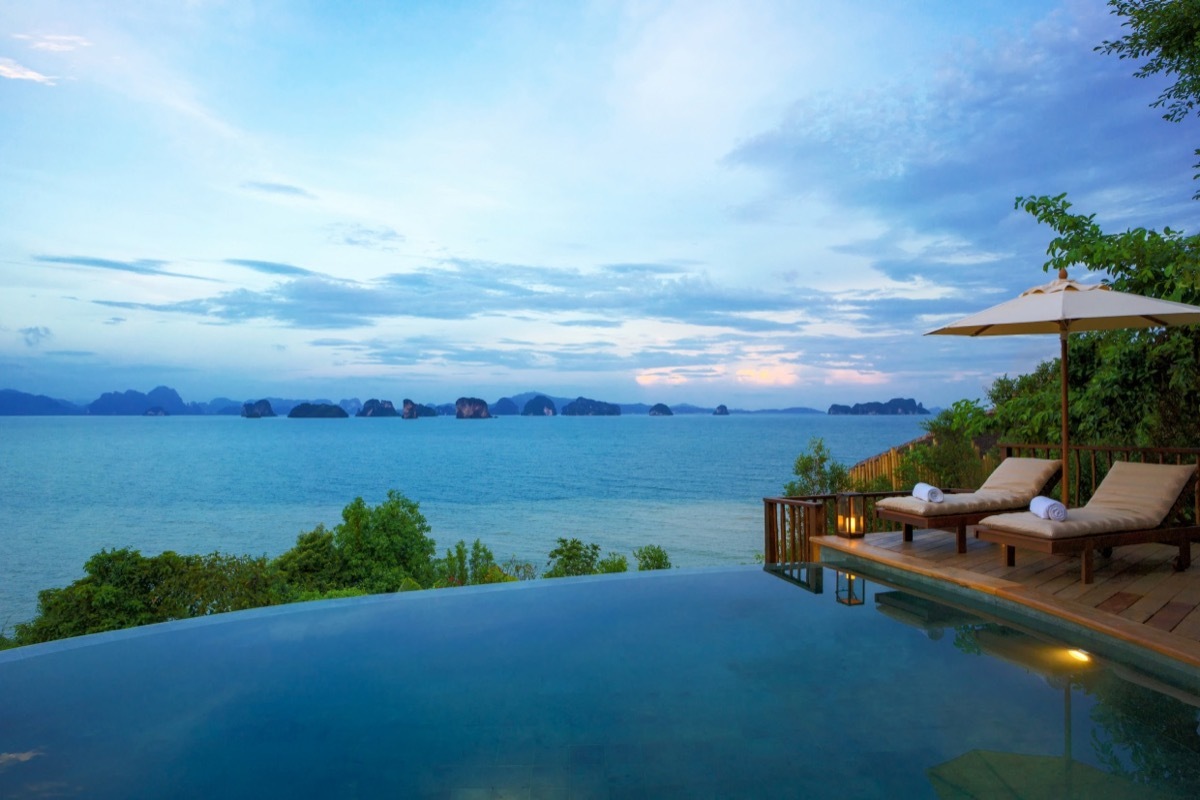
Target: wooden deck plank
{"points": [[1170, 615], [1189, 627], [1159, 591], [1136, 595], [1118, 602]]}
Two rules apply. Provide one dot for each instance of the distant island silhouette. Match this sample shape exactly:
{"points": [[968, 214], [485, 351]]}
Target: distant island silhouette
{"points": [[897, 405], [165, 401]]}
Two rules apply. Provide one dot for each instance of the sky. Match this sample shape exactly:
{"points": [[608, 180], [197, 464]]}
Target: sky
{"points": [[759, 204]]}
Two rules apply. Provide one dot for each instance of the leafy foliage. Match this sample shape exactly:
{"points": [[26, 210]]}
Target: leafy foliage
{"points": [[572, 557], [383, 545], [383, 548], [651, 556], [952, 459], [817, 472], [1126, 387], [459, 568], [1167, 34], [122, 589], [613, 562]]}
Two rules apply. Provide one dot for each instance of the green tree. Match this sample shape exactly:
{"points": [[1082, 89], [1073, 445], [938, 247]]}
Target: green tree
{"points": [[651, 556], [383, 545], [1167, 34], [572, 557], [314, 566], [952, 458], [1126, 387], [123, 589], [817, 472], [459, 568], [613, 562], [519, 570]]}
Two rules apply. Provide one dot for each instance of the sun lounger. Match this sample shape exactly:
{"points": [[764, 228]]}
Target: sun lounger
{"points": [[1010, 487], [1134, 504]]}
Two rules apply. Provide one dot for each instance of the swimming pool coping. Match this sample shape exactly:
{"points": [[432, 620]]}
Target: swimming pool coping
{"points": [[1170, 657]]}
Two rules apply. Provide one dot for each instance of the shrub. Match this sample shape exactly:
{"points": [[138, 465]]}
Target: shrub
{"points": [[816, 472], [613, 562], [651, 557], [572, 557]]}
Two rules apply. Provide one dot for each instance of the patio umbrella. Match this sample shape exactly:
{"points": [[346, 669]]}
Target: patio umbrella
{"points": [[1065, 306]]}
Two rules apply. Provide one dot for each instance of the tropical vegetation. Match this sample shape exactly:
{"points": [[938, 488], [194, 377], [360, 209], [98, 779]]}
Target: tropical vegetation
{"points": [[375, 549], [1125, 387]]}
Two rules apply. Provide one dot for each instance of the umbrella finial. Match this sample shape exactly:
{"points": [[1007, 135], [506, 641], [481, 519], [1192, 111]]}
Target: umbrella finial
{"points": [[1062, 273]]}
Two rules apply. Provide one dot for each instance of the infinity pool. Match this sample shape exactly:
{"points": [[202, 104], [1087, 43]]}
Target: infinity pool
{"points": [[727, 682]]}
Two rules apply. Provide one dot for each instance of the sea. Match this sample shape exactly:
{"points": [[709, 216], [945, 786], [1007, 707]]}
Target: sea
{"points": [[693, 484]]}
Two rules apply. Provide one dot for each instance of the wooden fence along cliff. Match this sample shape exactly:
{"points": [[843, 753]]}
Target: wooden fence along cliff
{"points": [[886, 465]]}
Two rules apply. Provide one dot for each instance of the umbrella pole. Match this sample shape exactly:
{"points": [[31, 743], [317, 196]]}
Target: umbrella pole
{"points": [[1066, 453]]}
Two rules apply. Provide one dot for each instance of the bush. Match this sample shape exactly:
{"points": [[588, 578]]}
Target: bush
{"points": [[314, 566], [816, 472], [613, 562], [651, 557], [123, 589], [381, 546], [952, 459], [572, 557], [460, 569]]}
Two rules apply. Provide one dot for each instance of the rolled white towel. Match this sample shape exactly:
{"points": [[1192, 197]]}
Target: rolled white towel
{"points": [[1048, 508], [930, 494]]}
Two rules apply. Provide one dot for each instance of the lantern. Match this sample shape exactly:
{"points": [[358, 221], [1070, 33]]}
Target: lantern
{"points": [[851, 589], [851, 514]]}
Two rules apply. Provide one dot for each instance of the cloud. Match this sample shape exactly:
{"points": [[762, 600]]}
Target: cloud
{"points": [[141, 266], [465, 289], [114, 320], [269, 267], [594, 322], [13, 71], [278, 188], [35, 336], [53, 43], [933, 168], [380, 238]]}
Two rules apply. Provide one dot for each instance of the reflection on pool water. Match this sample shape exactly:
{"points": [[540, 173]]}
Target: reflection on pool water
{"points": [[727, 682]]}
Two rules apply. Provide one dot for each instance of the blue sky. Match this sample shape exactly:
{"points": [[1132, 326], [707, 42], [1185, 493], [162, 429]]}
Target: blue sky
{"points": [[760, 204]]}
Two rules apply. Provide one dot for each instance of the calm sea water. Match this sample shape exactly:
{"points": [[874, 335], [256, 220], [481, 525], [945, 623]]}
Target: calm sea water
{"points": [[693, 484]]}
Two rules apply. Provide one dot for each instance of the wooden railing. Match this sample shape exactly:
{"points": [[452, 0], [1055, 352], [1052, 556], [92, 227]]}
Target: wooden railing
{"points": [[1090, 463], [791, 522], [886, 465]]}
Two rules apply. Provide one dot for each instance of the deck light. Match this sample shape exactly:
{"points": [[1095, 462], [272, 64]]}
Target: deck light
{"points": [[851, 514], [851, 589]]}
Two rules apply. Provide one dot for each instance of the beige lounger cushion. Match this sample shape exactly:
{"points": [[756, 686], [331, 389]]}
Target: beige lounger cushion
{"points": [[1011, 485], [1132, 497]]}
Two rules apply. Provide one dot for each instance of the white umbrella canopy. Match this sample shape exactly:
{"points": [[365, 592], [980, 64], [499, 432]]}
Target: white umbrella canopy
{"points": [[1064, 306]]}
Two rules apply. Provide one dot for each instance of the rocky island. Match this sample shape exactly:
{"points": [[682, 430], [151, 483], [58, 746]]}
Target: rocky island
{"points": [[377, 408], [539, 406], [471, 408], [317, 411], [660, 410], [585, 407], [257, 409], [505, 407], [413, 410], [895, 406]]}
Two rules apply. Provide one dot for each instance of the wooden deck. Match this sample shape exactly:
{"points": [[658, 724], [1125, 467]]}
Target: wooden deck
{"points": [[1136, 596]]}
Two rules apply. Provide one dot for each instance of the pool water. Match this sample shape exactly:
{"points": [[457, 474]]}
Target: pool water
{"points": [[723, 682]]}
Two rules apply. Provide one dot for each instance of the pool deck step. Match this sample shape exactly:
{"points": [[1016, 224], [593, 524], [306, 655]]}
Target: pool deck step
{"points": [[1136, 596]]}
